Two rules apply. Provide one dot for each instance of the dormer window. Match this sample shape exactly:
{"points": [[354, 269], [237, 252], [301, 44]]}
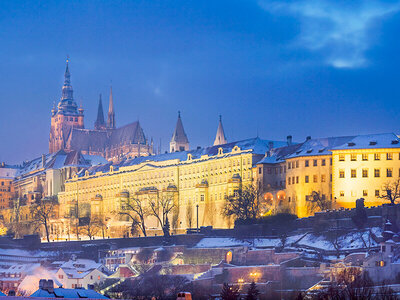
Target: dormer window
{"points": [[395, 142], [189, 156], [220, 151], [372, 143], [351, 144], [86, 173], [111, 169]]}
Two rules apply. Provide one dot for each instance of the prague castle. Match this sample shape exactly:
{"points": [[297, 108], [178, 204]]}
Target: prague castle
{"points": [[67, 131], [94, 173]]}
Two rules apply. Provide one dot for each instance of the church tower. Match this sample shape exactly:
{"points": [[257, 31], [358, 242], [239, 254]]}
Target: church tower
{"points": [[65, 117], [179, 141], [100, 124], [220, 138], [111, 113]]}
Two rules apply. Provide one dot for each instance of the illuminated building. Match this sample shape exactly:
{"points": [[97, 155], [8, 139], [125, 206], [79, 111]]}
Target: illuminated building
{"points": [[7, 175], [198, 181], [339, 169]]}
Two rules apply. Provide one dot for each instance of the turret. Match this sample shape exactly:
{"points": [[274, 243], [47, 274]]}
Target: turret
{"points": [[220, 138], [179, 141]]}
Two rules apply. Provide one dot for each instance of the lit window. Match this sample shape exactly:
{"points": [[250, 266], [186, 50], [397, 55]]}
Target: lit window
{"points": [[306, 163], [365, 173], [353, 173], [377, 156], [341, 194], [315, 178], [389, 156], [353, 157], [365, 193], [364, 156], [323, 178], [341, 157], [376, 193], [377, 172], [389, 172], [341, 173], [297, 179]]}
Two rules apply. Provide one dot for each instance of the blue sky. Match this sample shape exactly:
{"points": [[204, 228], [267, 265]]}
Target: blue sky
{"points": [[319, 68]]}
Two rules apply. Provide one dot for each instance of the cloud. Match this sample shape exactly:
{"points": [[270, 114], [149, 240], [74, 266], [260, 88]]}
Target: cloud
{"points": [[340, 31]]}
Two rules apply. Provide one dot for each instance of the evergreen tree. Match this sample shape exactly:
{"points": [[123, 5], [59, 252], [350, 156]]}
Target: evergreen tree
{"points": [[166, 227], [229, 292], [252, 292]]}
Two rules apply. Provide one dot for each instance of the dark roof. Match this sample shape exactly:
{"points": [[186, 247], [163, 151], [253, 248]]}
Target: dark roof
{"points": [[99, 140]]}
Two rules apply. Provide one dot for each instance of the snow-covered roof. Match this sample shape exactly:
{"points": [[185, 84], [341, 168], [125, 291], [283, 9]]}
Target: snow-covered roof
{"points": [[254, 145], [8, 172], [325, 146], [81, 265], [371, 141], [68, 293]]}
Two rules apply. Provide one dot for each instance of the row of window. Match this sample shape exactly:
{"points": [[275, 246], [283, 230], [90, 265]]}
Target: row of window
{"points": [[364, 173], [295, 164], [365, 156], [364, 193]]}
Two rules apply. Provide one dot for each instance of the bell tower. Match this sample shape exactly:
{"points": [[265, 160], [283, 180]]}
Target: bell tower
{"points": [[65, 116]]}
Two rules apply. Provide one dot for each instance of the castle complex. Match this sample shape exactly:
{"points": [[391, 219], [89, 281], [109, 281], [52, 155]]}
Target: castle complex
{"points": [[95, 172]]}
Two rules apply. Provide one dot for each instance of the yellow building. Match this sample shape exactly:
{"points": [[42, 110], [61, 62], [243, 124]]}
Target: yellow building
{"points": [[339, 169], [202, 177], [363, 166]]}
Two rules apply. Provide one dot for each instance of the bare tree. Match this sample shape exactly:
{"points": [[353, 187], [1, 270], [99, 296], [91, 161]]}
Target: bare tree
{"points": [[42, 211], [244, 203], [189, 214], [160, 207], [91, 227], [318, 202], [137, 212], [391, 191]]}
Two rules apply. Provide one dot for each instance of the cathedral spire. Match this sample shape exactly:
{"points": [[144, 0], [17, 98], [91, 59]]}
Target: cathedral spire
{"points": [[67, 92], [220, 138], [179, 141], [111, 113], [100, 124]]}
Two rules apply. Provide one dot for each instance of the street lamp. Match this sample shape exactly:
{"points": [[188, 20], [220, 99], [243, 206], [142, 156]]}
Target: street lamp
{"points": [[197, 218]]}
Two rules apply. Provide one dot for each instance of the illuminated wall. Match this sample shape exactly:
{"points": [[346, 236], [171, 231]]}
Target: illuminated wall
{"points": [[361, 173], [204, 181]]}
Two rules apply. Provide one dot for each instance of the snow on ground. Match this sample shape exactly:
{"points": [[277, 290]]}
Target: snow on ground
{"points": [[349, 241], [265, 243]]}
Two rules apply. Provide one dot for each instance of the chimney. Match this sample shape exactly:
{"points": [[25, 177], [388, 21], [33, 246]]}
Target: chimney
{"points": [[308, 138], [43, 160], [289, 140]]}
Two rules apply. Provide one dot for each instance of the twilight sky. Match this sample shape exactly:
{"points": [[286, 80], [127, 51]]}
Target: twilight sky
{"points": [[308, 67]]}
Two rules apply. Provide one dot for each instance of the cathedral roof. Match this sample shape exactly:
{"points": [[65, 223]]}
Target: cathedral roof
{"points": [[99, 140]]}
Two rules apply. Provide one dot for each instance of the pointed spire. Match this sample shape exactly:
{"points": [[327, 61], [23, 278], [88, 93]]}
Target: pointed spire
{"points": [[100, 124], [220, 138], [179, 141], [67, 92], [111, 113]]}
